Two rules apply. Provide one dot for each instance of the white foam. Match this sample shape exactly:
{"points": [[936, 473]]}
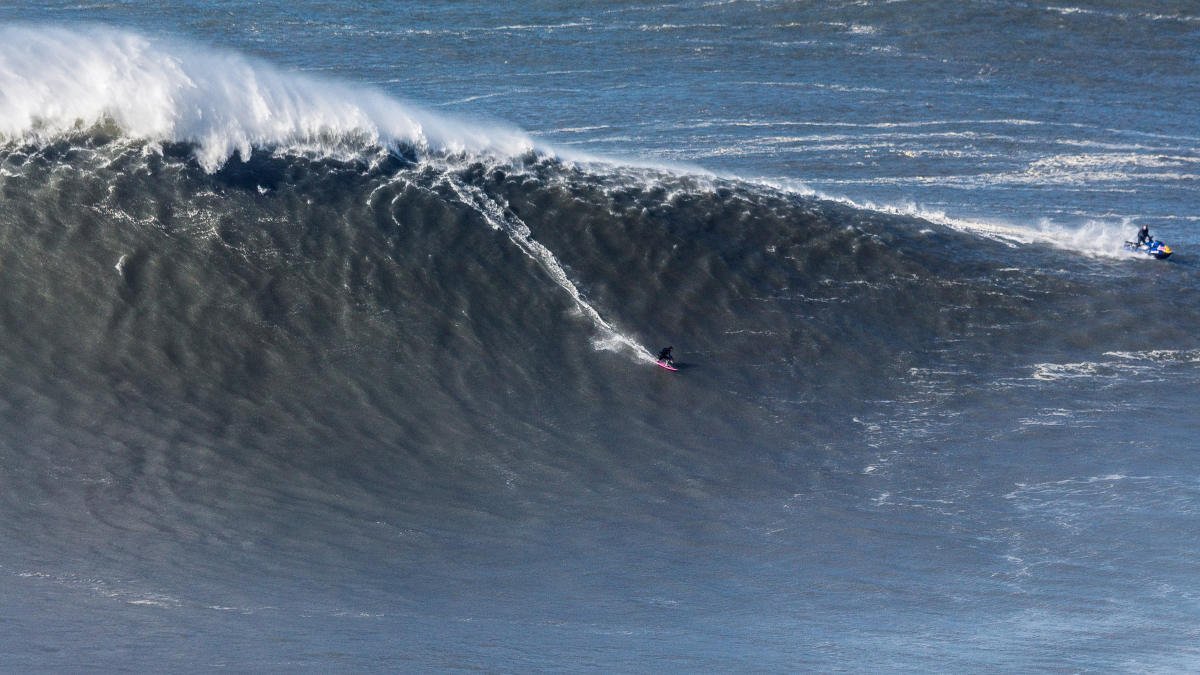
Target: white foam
{"points": [[1142, 366], [56, 81], [1160, 355], [574, 130], [674, 26], [1122, 16], [478, 97], [1090, 168]]}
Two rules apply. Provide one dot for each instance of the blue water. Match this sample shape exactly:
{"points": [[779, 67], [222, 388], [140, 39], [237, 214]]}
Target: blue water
{"points": [[932, 416]]}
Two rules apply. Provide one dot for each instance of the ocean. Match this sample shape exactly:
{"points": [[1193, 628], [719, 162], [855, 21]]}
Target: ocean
{"points": [[329, 331]]}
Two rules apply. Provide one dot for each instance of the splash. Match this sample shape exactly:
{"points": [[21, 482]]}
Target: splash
{"points": [[58, 81]]}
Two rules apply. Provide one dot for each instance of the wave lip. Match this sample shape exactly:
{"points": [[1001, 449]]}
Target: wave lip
{"points": [[56, 81]]}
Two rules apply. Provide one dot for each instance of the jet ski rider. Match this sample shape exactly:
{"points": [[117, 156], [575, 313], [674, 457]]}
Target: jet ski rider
{"points": [[1144, 235]]}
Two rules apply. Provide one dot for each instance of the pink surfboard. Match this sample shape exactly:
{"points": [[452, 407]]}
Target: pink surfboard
{"points": [[664, 364]]}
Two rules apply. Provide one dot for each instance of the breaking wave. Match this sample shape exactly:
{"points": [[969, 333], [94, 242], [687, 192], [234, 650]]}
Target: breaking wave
{"points": [[237, 299], [57, 81]]}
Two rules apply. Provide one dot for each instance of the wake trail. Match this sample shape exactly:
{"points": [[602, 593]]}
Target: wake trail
{"points": [[1093, 238], [608, 338]]}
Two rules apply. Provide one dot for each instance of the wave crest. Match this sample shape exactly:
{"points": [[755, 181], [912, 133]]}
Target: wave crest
{"points": [[56, 81]]}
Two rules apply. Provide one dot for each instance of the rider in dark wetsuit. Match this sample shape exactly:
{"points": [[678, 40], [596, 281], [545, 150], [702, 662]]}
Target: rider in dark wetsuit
{"points": [[1144, 235], [665, 356]]}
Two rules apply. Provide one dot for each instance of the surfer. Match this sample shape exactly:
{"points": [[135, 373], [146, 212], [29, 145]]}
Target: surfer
{"points": [[1144, 235], [665, 356]]}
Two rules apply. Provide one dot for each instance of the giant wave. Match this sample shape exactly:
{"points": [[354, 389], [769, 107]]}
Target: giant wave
{"points": [[274, 328], [198, 226]]}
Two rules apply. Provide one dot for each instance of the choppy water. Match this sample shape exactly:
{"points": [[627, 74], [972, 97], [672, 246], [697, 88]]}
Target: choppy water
{"points": [[327, 336]]}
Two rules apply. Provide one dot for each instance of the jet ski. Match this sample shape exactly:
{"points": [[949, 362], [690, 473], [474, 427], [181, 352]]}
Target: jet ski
{"points": [[1153, 248]]}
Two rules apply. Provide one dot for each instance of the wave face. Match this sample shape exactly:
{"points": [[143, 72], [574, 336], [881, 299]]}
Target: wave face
{"points": [[278, 355]]}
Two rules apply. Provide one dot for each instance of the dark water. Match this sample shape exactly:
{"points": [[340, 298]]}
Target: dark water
{"points": [[303, 377]]}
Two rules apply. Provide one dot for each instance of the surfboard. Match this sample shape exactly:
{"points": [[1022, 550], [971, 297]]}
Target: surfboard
{"points": [[664, 364]]}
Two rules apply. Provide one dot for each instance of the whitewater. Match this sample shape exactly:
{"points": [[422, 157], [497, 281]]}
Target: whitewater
{"points": [[329, 330], [61, 80]]}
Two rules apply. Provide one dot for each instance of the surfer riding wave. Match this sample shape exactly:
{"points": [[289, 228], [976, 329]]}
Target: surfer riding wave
{"points": [[665, 358]]}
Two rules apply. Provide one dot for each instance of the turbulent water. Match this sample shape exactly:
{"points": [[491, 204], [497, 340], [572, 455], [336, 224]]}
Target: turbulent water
{"points": [[312, 362]]}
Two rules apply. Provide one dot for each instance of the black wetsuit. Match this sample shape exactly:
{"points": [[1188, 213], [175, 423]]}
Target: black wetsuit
{"points": [[1144, 236], [665, 355]]}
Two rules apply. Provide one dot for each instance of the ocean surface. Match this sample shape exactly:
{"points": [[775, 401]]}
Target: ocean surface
{"points": [[328, 335]]}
